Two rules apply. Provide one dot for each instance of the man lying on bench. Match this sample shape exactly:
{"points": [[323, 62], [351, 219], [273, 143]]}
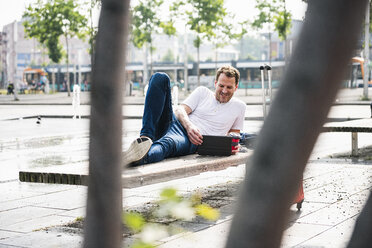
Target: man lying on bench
{"points": [[167, 134]]}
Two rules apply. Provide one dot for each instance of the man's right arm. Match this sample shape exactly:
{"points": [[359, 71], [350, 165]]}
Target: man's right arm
{"points": [[182, 113]]}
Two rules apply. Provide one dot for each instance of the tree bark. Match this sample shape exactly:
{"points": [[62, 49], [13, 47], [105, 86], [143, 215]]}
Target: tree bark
{"points": [[103, 225], [299, 110], [67, 67]]}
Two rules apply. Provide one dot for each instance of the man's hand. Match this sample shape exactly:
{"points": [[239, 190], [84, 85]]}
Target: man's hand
{"points": [[182, 113], [194, 134]]}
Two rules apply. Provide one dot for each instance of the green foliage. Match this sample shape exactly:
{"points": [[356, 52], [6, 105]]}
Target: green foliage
{"points": [[283, 24], [142, 245], [207, 212], [171, 205], [169, 194], [48, 20], [273, 12], [55, 49], [168, 27], [370, 16], [146, 22], [364, 98], [202, 16], [134, 221]]}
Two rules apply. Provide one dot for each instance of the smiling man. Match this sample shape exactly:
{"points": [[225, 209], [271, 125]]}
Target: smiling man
{"points": [[166, 133]]}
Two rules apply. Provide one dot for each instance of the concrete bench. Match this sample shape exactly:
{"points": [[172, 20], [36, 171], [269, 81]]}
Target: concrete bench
{"points": [[166, 170], [354, 126]]}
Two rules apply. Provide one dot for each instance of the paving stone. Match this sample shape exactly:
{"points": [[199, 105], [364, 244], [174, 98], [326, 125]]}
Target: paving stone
{"points": [[133, 201], [308, 207], [336, 236], [7, 234], [23, 214], [332, 214], [75, 213], [39, 223], [298, 233], [202, 238], [10, 194], [67, 200], [44, 239]]}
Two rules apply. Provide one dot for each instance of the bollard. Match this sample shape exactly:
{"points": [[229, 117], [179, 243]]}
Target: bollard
{"points": [[76, 101], [371, 109], [175, 95], [263, 91]]}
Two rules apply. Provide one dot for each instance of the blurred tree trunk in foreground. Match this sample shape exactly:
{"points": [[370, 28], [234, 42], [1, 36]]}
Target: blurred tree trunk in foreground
{"points": [[103, 225], [308, 89]]}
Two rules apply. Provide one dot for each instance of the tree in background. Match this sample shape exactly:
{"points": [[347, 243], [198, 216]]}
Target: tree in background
{"points": [[273, 12], [47, 21], [283, 23], [169, 56], [92, 31], [203, 17], [250, 47], [146, 22], [226, 32]]}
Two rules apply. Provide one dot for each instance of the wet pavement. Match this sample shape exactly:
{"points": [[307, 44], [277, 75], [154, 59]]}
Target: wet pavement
{"points": [[32, 215]]}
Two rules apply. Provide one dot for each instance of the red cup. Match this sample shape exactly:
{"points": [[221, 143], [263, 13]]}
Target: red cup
{"points": [[234, 144]]}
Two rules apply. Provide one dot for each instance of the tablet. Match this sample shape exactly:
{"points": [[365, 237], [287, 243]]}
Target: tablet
{"points": [[215, 145]]}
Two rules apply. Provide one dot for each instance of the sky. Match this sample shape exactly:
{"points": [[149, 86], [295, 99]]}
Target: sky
{"points": [[11, 10]]}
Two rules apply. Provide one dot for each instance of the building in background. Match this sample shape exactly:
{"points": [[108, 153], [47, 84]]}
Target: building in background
{"points": [[169, 55], [19, 52], [2, 59]]}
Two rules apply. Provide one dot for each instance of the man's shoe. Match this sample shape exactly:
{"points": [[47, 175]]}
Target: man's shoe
{"points": [[137, 150]]}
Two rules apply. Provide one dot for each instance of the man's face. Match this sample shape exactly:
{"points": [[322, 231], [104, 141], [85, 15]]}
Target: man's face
{"points": [[225, 88]]}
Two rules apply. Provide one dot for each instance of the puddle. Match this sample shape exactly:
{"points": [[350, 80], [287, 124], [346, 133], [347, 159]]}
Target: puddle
{"points": [[45, 142], [47, 161]]}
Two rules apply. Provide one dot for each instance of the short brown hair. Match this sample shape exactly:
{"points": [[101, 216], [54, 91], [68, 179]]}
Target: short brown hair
{"points": [[229, 71]]}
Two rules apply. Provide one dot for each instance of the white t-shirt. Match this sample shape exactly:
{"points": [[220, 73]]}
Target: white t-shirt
{"points": [[213, 117]]}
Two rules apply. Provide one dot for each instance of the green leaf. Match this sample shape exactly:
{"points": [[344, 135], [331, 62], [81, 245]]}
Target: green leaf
{"points": [[169, 194], [134, 221], [140, 244], [207, 212]]}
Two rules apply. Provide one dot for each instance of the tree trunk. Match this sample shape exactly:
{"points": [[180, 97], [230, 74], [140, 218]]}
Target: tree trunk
{"points": [[366, 53], [151, 70], [103, 226], [185, 74], [67, 67], [91, 35], [216, 57], [53, 82], [145, 67], [198, 65], [297, 115]]}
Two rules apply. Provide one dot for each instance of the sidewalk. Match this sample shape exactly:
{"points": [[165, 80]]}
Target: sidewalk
{"points": [[59, 105], [249, 96], [35, 215]]}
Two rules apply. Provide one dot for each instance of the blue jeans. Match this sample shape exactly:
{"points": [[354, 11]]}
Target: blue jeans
{"points": [[161, 125]]}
